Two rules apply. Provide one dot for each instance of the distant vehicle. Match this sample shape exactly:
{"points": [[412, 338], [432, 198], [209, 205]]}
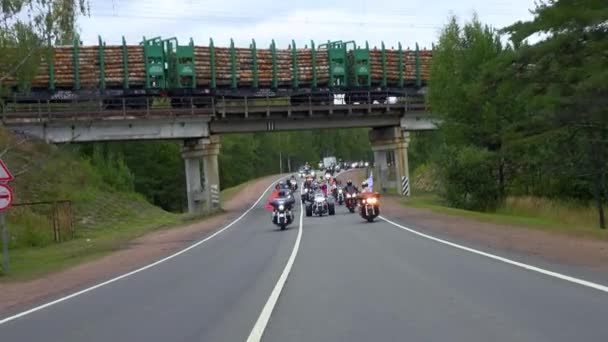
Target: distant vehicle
{"points": [[330, 162]]}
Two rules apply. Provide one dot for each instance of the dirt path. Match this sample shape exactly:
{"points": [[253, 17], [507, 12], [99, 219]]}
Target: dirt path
{"points": [[591, 255], [141, 251]]}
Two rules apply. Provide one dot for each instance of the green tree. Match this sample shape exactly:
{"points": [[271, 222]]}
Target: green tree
{"points": [[26, 28], [476, 106], [565, 77]]}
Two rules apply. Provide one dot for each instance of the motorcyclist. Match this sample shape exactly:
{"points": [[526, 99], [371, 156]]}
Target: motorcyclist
{"points": [[324, 188], [364, 187], [350, 187]]}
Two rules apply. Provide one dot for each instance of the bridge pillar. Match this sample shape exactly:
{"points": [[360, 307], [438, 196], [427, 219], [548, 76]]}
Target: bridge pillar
{"points": [[195, 152], [394, 141], [211, 151], [192, 152]]}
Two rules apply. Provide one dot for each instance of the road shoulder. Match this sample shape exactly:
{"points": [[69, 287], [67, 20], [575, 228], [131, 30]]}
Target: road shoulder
{"points": [[150, 247], [577, 252]]}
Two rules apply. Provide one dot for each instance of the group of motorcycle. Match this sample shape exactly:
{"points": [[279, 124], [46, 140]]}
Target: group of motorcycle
{"points": [[321, 197]]}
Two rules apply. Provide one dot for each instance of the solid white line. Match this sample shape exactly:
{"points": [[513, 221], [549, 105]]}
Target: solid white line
{"points": [[89, 289], [592, 285], [262, 322]]}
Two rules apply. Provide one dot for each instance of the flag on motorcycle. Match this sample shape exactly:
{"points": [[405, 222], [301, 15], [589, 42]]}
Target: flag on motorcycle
{"points": [[370, 181]]}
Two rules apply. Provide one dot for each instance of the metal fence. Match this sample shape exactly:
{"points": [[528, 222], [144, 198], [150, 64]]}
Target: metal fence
{"points": [[59, 215]]}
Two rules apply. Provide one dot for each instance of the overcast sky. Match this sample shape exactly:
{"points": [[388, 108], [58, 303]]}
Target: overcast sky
{"points": [[391, 21]]}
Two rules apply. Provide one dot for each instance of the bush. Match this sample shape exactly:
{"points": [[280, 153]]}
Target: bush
{"points": [[469, 178]]}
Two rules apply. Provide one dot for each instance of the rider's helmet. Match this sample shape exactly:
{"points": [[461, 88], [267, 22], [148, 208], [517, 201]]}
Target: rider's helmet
{"points": [[364, 184], [349, 182]]}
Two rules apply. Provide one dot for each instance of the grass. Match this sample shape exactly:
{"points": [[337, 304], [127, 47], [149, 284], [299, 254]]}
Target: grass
{"points": [[566, 218], [111, 221]]}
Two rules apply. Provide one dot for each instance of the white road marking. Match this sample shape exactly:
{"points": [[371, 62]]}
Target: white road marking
{"points": [[260, 325], [89, 289], [592, 285]]}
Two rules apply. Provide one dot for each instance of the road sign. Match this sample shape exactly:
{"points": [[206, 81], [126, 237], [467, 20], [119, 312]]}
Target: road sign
{"points": [[5, 174], [6, 197]]}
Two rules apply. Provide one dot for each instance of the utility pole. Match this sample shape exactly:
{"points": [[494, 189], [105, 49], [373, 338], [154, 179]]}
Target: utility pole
{"points": [[280, 162]]}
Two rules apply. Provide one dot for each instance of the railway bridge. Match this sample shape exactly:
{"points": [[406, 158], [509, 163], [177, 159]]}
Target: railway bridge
{"points": [[200, 121]]}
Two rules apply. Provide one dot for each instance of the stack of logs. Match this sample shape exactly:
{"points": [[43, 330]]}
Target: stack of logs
{"points": [[89, 67], [392, 65], [113, 60], [244, 67]]}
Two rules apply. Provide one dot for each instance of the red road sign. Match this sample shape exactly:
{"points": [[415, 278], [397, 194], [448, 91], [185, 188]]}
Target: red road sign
{"points": [[6, 197], [5, 174]]}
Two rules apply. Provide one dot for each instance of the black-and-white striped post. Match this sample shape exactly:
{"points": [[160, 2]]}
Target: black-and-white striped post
{"points": [[215, 195], [405, 186]]}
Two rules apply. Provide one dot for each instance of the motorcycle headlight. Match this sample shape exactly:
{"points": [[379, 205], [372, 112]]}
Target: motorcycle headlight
{"points": [[319, 200], [306, 190], [372, 200], [348, 196], [281, 207], [340, 191]]}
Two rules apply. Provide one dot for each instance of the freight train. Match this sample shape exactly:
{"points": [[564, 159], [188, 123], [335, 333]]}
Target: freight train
{"points": [[163, 67]]}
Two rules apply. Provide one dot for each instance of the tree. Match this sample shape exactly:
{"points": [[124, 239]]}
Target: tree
{"points": [[565, 76], [468, 91], [23, 42]]}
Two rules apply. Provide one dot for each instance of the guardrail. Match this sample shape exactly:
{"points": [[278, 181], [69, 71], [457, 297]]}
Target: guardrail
{"points": [[215, 107]]}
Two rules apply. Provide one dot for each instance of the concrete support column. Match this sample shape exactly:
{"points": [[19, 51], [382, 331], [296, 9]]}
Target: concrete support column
{"points": [[384, 140], [192, 152], [402, 165], [380, 169], [211, 151]]}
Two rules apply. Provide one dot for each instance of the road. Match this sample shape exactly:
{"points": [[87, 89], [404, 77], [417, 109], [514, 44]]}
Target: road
{"points": [[350, 281]]}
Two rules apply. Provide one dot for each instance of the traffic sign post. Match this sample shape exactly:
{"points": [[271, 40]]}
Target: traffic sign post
{"points": [[5, 174], [5, 263], [6, 199]]}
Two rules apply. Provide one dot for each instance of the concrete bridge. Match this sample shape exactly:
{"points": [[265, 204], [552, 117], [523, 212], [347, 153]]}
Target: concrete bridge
{"points": [[199, 122]]}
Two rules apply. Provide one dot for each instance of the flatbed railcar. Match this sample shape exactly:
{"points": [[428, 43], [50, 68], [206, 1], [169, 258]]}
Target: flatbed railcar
{"points": [[123, 75]]}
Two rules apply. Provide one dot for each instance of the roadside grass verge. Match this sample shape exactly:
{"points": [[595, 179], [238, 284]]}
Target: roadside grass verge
{"points": [[104, 222], [572, 219]]}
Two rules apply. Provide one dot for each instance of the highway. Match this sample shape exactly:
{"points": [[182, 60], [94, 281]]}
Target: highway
{"points": [[346, 280]]}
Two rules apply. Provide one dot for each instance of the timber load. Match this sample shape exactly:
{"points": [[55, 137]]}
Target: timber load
{"points": [[165, 64]]}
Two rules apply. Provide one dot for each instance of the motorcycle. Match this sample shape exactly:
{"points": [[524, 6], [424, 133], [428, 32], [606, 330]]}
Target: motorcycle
{"points": [[370, 205], [320, 206], [351, 200], [307, 194], [281, 214], [293, 184], [340, 196]]}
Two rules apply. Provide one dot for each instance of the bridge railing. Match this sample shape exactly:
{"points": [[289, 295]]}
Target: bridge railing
{"points": [[218, 107]]}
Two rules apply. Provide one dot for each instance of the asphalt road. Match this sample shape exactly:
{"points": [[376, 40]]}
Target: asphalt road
{"points": [[351, 281]]}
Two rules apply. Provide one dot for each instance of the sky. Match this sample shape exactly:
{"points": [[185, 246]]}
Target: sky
{"points": [[389, 21]]}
